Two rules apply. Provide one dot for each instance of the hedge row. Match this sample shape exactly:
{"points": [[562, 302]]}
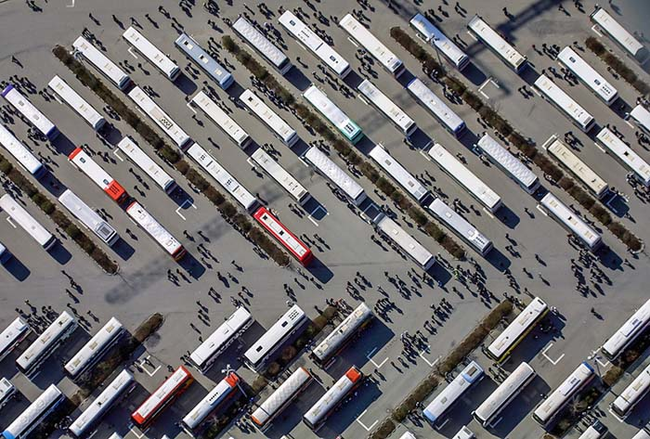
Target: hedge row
{"points": [[171, 155], [315, 122], [625, 360], [617, 65], [576, 409], [59, 218], [520, 142]]}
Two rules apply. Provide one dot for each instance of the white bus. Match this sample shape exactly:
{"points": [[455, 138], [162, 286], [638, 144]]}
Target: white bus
{"points": [[201, 58], [624, 404], [336, 175], [21, 153], [553, 404], [509, 164], [441, 404], [205, 355], [222, 120], [588, 75], [434, 36], [328, 403], [7, 390], [409, 245], [107, 67], [82, 161], [33, 357], [77, 103], [563, 154], [642, 434], [370, 43], [95, 348], [20, 216], [407, 435], [214, 400], [497, 44], [119, 387], [620, 35], [393, 168], [262, 350], [595, 431], [35, 414], [281, 398], [464, 433], [345, 332], [146, 163], [490, 409], [624, 155], [227, 181], [333, 114], [297, 191], [156, 230], [160, 118], [436, 106], [461, 227], [270, 118], [387, 107], [565, 103], [309, 40], [88, 217], [11, 337], [641, 116], [571, 221], [466, 178], [30, 112], [258, 41], [161, 61], [516, 331], [626, 334]]}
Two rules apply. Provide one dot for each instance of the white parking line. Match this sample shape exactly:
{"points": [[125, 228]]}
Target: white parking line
{"points": [[70, 5], [132, 54], [548, 358], [471, 35], [599, 147], [182, 206], [539, 207], [11, 222], [363, 100], [593, 28], [310, 216], [488, 213], [139, 436], [629, 123], [353, 42], [440, 427], [427, 361], [190, 107], [601, 363], [425, 155], [615, 415], [373, 361], [115, 154], [364, 425], [142, 364]]}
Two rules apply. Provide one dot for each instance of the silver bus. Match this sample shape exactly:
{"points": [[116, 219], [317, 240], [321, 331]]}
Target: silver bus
{"points": [[201, 58], [461, 227], [95, 348], [620, 35], [497, 44], [434, 36], [281, 398], [511, 165], [387, 107], [21, 153], [258, 41], [409, 245], [77, 103], [624, 155], [572, 221], [565, 103], [436, 106], [30, 112], [155, 56], [588, 75], [270, 118], [399, 173], [88, 217], [336, 175], [222, 120], [627, 333], [101, 62], [27, 222]]}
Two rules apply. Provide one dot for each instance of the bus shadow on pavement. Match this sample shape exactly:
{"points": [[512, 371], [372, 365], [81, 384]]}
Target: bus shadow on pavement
{"points": [[17, 269]]}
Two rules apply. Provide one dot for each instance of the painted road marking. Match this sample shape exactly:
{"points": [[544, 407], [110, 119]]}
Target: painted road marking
{"points": [[142, 364], [190, 107], [182, 206], [132, 54], [116, 155], [424, 154], [373, 361], [362, 424], [139, 436], [548, 358], [427, 361], [488, 213], [539, 207], [70, 5], [593, 28], [472, 36], [599, 147], [629, 123], [601, 363], [310, 218], [353, 42], [11, 222]]}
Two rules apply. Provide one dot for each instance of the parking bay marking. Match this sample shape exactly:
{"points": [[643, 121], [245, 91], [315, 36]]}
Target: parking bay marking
{"points": [[373, 361], [364, 425], [427, 361], [182, 206], [11, 222], [116, 155], [553, 362]]}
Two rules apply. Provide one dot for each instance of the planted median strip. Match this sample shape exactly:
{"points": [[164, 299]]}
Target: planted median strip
{"points": [[617, 65]]}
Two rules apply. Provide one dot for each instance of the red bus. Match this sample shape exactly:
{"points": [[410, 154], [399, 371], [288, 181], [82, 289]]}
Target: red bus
{"points": [[80, 159], [165, 395], [288, 240]]}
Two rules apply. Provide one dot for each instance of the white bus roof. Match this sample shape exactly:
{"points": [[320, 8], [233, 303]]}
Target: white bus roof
{"points": [[588, 75], [107, 67], [520, 325], [406, 242], [460, 226], [464, 433], [297, 191], [497, 43], [156, 230], [79, 104], [407, 435], [450, 394], [617, 32], [221, 336], [25, 220], [267, 343], [221, 119], [284, 394], [209, 65], [17, 330], [211, 401], [632, 327], [571, 220], [88, 353], [146, 163], [641, 116], [279, 127], [63, 323], [20, 152], [515, 168], [387, 107], [632, 394], [393, 168], [6, 390], [625, 154], [437, 38], [330, 110], [152, 53], [31, 113], [88, 217], [333, 396], [346, 329], [565, 102], [564, 392], [336, 175], [259, 42], [435, 105], [26, 421]]}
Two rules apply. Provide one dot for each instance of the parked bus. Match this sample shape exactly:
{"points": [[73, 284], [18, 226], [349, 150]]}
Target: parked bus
{"points": [[21, 153], [588, 75], [82, 161], [642, 434], [409, 245], [88, 217], [464, 433], [572, 221], [436, 106], [271, 341], [258, 41], [101, 62], [30, 112], [563, 154], [222, 120], [309, 40], [35, 414], [160, 118], [441, 404], [5, 254], [201, 58], [146, 163], [333, 114], [626, 334], [12, 335], [216, 399], [399, 173], [620, 35], [501, 348], [281, 398], [387, 107], [595, 431], [635, 392], [497, 44], [162, 397], [330, 401], [95, 348], [461, 227], [155, 56], [122, 385], [156, 230], [641, 116], [281, 176], [407, 435], [509, 164], [283, 235], [357, 31], [434, 36], [227, 181], [565, 103], [7, 390], [353, 190], [206, 354], [270, 118], [33, 357], [512, 386], [342, 335], [556, 401], [77, 103], [466, 178], [624, 155], [27, 222]]}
